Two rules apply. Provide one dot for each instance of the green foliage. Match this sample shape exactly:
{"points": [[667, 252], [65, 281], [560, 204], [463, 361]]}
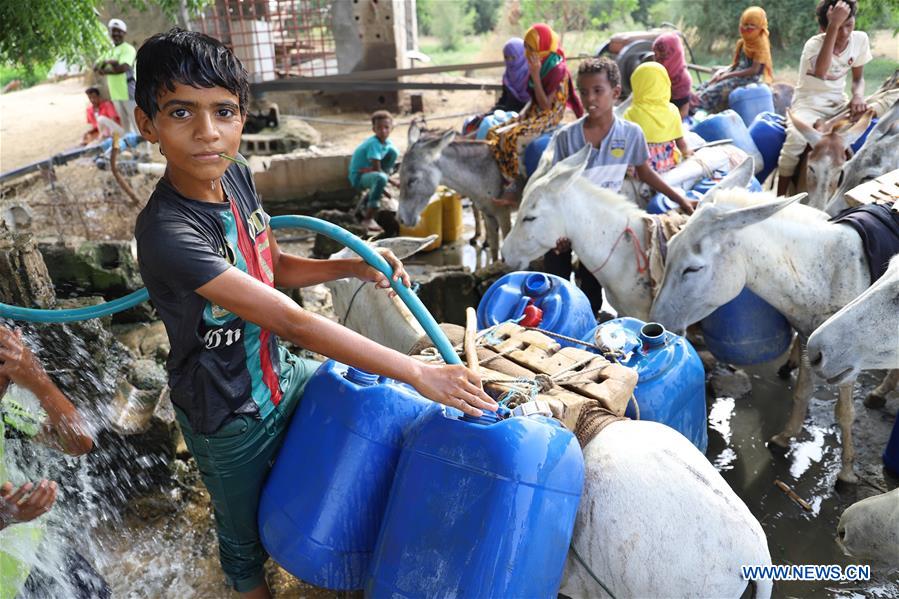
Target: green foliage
{"points": [[41, 32], [423, 15], [878, 14], [486, 13], [28, 77], [36, 33], [576, 15], [642, 14], [451, 22]]}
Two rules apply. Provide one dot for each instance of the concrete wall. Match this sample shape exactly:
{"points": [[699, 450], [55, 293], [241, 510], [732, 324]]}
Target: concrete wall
{"points": [[303, 183]]}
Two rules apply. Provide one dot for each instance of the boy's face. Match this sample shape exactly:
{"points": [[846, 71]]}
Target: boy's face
{"points": [[845, 31], [193, 125], [597, 93], [382, 128], [94, 98]]}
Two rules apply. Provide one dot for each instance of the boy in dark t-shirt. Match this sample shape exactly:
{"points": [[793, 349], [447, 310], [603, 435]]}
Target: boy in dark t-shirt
{"points": [[210, 263]]}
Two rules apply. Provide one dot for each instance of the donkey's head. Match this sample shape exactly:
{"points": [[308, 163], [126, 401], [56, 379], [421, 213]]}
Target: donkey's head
{"points": [[830, 150], [419, 173], [702, 271], [541, 220]]}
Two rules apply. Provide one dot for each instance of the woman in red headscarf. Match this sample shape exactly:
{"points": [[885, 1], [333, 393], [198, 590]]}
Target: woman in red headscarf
{"points": [[669, 52], [550, 89]]}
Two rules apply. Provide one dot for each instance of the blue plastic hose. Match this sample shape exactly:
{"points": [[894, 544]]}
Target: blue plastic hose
{"points": [[316, 225]]}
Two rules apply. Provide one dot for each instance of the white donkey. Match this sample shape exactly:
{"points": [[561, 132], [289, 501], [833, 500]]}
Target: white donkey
{"points": [[863, 335], [370, 311], [657, 520], [601, 225], [797, 261]]}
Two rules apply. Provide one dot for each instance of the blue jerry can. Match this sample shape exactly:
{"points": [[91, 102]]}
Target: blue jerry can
{"points": [[746, 330], [322, 504], [534, 151], [565, 309], [671, 387], [891, 453], [864, 136], [769, 132], [751, 100], [480, 507], [729, 125]]}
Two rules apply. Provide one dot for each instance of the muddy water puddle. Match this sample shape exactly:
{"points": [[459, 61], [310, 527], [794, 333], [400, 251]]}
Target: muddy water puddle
{"points": [[738, 432]]}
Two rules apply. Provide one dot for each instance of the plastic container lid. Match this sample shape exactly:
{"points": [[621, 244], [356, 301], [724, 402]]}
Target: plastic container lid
{"points": [[537, 284]]}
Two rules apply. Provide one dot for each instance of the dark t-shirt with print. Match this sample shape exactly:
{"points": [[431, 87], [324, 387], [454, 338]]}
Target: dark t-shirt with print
{"points": [[218, 363]]}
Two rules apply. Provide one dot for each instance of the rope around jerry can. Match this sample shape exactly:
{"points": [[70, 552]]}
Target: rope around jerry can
{"points": [[526, 388]]}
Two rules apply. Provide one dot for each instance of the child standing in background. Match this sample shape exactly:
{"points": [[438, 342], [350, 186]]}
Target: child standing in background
{"points": [[752, 62], [659, 119], [669, 52], [371, 165]]}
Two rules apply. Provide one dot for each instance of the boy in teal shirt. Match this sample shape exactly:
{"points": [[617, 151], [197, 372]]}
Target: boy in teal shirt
{"points": [[372, 163]]}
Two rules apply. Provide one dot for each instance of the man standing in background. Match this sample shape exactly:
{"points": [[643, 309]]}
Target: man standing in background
{"points": [[119, 72]]}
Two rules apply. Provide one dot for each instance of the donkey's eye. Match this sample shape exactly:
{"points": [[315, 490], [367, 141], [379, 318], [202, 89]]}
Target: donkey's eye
{"points": [[528, 219], [690, 269]]}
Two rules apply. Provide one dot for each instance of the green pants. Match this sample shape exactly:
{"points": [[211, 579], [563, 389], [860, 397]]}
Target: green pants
{"points": [[234, 463]]}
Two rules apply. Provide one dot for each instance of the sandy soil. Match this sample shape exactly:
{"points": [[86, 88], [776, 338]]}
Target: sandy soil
{"points": [[40, 121]]}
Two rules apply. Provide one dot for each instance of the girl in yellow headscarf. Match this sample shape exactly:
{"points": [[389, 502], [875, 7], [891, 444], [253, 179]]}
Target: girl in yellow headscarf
{"points": [[752, 62], [659, 119]]}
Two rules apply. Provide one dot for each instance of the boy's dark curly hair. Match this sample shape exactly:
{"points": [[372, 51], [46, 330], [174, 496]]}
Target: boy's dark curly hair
{"points": [[189, 58], [603, 64], [824, 5]]}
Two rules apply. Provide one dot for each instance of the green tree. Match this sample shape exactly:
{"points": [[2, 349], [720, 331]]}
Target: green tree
{"points": [[423, 15], [486, 13], [40, 32], [455, 21], [575, 15], [642, 13]]}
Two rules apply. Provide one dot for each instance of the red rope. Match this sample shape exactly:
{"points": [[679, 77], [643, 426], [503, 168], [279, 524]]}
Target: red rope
{"points": [[639, 254]]}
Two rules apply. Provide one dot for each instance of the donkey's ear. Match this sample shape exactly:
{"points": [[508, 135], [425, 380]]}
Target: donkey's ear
{"points": [[445, 140], [811, 135], [575, 165], [414, 132], [738, 178], [744, 217], [852, 134], [403, 247]]}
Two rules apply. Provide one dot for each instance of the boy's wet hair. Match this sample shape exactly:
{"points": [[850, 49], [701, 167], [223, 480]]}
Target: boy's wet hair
{"points": [[824, 6], [380, 115], [188, 58], [92, 90], [604, 64]]}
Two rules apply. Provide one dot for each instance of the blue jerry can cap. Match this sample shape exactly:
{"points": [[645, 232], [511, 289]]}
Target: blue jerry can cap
{"points": [[486, 418], [537, 284], [361, 377]]}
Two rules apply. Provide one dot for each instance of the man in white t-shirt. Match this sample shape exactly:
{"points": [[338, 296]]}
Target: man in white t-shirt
{"points": [[826, 60]]}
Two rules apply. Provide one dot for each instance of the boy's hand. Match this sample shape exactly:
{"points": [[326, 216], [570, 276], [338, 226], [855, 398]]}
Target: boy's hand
{"points": [[17, 363], [685, 205], [371, 274], [838, 14], [563, 244], [16, 507], [455, 386], [857, 105]]}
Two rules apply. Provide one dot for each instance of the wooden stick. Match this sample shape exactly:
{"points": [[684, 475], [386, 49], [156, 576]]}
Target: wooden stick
{"points": [[468, 343], [792, 495], [117, 175]]}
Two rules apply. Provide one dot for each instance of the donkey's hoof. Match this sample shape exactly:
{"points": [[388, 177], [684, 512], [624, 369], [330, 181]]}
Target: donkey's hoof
{"points": [[875, 401], [780, 441], [473, 241], [785, 371], [846, 477]]}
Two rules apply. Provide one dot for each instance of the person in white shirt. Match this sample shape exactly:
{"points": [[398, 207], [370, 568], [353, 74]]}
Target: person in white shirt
{"points": [[826, 60]]}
